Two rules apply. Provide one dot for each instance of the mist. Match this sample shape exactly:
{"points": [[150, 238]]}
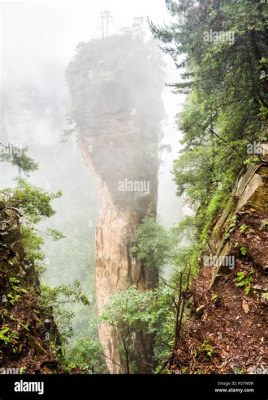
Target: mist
{"points": [[38, 41]]}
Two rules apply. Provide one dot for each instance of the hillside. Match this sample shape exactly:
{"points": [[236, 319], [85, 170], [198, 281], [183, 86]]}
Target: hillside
{"points": [[28, 334]]}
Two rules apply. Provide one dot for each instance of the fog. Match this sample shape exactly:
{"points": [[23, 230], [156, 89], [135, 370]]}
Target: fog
{"points": [[38, 41]]}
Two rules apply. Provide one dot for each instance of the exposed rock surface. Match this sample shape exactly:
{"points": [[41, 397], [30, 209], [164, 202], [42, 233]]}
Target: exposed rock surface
{"points": [[113, 153], [116, 85], [231, 335]]}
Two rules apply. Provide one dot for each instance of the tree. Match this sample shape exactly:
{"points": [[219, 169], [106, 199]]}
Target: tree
{"points": [[150, 312], [221, 48], [150, 244], [61, 299], [18, 157], [86, 355]]}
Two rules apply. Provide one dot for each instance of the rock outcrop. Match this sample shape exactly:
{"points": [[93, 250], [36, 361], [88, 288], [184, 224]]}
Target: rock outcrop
{"points": [[114, 157], [116, 85], [231, 333], [27, 330]]}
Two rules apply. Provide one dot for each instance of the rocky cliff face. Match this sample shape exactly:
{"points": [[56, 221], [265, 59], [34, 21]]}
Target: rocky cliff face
{"points": [[27, 331], [116, 85], [113, 154], [228, 332]]}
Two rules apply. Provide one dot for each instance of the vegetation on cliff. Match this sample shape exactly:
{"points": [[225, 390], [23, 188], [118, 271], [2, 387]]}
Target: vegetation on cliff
{"points": [[221, 48], [225, 76], [34, 323], [116, 112], [210, 314]]}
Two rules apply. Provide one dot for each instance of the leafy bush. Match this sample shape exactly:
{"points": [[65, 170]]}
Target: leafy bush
{"points": [[244, 280], [33, 202], [150, 244], [61, 300], [151, 312]]}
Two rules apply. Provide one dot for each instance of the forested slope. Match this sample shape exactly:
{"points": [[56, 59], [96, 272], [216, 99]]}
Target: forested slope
{"points": [[29, 338], [221, 48]]}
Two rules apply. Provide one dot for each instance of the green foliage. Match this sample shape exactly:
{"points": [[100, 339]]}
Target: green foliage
{"points": [[238, 371], [243, 250], [184, 229], [207, 349], [13, 299], [232, 224], [206, 216], [3, 336], [21, 160], [244, 280], [34, 202], [151, 312], [61, 300], [227, 104], [8, 336], [55, 234], [121, 76], [264, 297], [214, 298], [33, 243], [14, 281], [87, 354], [150, 244], [184, 249], [252, 160]]}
